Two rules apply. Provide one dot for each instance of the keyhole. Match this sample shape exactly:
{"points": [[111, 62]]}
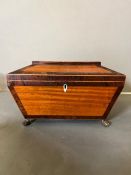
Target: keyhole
{"points": [[65, 87]]}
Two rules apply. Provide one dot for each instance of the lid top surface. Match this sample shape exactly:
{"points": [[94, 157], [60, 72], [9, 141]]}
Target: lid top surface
{"points": [[65, 69], [80, 72]]}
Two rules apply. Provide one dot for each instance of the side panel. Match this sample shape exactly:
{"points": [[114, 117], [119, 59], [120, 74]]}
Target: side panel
{"points": [[76, 101]]}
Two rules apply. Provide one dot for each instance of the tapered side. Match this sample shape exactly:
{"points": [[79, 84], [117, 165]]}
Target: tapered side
{"points": [[113, 100], [17, 100]]}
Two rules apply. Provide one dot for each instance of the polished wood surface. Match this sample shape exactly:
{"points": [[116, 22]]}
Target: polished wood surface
{"points": [[77, 101], [66, 68], [92, 89]]}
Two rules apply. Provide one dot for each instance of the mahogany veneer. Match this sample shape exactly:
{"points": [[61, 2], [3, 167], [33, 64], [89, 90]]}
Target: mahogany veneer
{"points": [[80, 90]]}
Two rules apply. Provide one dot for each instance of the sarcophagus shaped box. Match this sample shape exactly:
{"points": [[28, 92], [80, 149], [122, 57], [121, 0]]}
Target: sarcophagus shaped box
{"points": [[67, 90]]}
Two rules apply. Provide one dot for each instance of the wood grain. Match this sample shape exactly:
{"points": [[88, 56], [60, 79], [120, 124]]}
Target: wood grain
{"points": [[66, 68], [77, 101]]}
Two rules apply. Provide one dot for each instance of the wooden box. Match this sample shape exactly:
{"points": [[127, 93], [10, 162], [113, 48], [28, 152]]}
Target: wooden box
{"points": [[65, 90]]}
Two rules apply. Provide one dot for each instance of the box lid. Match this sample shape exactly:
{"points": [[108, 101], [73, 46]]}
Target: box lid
{"points": [[43, 72]]}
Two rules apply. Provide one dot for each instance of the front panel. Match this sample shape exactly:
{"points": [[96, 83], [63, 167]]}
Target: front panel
{"points": [[76, 101]]}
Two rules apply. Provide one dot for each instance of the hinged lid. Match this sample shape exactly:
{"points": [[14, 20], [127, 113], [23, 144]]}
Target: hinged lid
{"points": [[43, 72]]}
